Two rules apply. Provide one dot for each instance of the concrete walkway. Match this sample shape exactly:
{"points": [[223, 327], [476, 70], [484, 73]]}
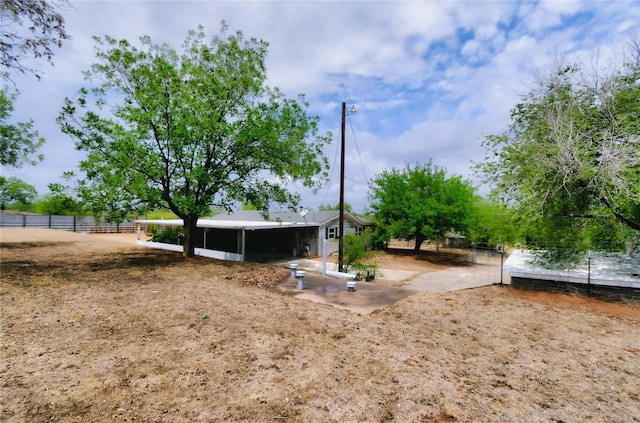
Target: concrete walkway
{"points": [[452, 279], [446, 280], [371, 296]]}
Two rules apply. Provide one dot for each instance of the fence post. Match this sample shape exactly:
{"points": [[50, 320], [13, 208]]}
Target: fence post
{"points": [[501, 264], [589, 274]]}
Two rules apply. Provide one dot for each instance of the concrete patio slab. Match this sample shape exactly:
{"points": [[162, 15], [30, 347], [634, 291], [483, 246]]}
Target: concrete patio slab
{"points": [[452, 279], [367, 297]]}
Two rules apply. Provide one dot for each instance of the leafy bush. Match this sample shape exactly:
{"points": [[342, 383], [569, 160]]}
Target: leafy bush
{"points": [[357, 250], [169, 235], [366, 272]]}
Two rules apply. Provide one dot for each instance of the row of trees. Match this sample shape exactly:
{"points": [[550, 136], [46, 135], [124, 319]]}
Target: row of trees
{"points": [[17, 195], [199, 128], [414, 203], [192, 130], [565, 173]]}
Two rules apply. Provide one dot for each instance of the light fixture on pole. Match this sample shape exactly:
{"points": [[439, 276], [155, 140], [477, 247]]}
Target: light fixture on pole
{"points": [[341, 223]]}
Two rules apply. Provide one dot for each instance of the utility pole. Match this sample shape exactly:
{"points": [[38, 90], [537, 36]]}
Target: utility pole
{"points": [[341, 224]]}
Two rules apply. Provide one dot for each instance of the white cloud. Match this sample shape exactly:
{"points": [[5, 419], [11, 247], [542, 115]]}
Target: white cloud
{"points": [[471, 48], [428, 78]]}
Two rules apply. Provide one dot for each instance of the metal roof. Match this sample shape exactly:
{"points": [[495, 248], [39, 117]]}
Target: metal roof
{"points": [[254, 220], [312, 216], [232, 224]]}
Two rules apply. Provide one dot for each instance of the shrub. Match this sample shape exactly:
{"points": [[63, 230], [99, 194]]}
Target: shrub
{"points": [[169, 235], [357, 249]]}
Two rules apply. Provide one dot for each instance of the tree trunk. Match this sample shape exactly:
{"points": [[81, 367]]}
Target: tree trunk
{"points": [[189, 228], [419, 240]]}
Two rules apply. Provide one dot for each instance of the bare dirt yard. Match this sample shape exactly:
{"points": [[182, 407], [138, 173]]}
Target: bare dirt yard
{"points": [[94, 328]]}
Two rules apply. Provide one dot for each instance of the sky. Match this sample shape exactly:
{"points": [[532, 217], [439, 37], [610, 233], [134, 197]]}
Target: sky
{"points": [[429, 79]]}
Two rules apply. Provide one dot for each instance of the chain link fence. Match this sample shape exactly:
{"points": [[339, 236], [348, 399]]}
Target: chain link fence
{"points": [[482, 262]]}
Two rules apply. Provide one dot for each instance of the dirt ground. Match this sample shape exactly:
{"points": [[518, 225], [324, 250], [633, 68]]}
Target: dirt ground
{"points": [[94, 328]]}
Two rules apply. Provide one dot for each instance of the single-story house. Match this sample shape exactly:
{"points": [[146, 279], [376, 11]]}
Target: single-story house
{"points": [[247, 235]]}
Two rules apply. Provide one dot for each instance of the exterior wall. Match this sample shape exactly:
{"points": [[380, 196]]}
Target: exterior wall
{"points": [[308, 237], [332, 243], [325, 232], [349, 227], [278, 241], [216, 254]]}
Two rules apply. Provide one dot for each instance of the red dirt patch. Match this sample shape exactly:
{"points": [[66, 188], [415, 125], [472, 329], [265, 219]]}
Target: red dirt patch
{"points": [[630, 310]]}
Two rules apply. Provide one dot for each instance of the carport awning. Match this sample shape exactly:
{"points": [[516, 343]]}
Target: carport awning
{"points": [[232, 224]]}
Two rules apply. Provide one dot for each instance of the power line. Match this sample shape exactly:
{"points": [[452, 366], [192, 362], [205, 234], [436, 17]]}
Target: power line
{"points": [[335, 159], [357, 149]]}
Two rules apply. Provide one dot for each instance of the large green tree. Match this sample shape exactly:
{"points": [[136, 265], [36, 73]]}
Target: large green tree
{"points": [[14, 190], [570, 159], [191, 130], [421, 203]]}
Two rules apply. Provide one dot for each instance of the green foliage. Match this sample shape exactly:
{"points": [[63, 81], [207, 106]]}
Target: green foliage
{"points": [[558, 258], [607, 235], [569, 162], [16, 192], [192, 130], [108, 202], [249, 207], [44, 29], [19, 142], [329, 207], [59, 201], [160, 214], [356, 247], [168, 235], [491, 223], [421, 203], [358, 253]]}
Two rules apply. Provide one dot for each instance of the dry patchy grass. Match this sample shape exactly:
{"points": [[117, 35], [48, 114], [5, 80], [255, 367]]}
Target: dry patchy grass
{"points": [[95, 329]]}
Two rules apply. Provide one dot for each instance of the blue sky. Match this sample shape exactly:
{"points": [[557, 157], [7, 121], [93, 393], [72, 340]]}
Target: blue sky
{"points": [[428, 78]]}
